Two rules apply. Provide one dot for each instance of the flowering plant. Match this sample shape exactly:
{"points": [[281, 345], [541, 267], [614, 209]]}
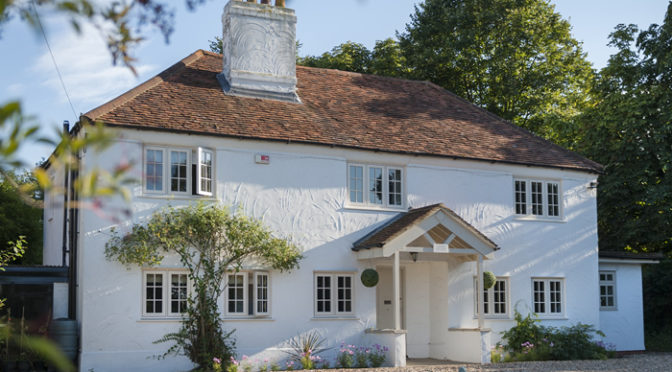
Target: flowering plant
{"points": [[346, 356], [377, 355]]}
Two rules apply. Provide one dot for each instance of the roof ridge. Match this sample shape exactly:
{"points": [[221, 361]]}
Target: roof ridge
{"points": [[145, 86], [599, 167]]}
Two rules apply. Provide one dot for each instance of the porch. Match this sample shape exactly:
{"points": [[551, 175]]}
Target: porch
{"points": [[417, 255]]}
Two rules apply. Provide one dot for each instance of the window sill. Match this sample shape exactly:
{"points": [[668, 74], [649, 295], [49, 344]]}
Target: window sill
{"points": [[249, 319], [551, 317], [318, 318], [366, 207], [491, 317], [539, 219], [608, 309], [160, 320], [178, 197]]}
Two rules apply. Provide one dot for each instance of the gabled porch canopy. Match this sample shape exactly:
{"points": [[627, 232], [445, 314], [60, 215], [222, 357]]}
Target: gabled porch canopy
{"points": [[434, 229], [433, 232]]}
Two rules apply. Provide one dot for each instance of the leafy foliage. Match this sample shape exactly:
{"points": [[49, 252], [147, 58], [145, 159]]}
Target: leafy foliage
{"points": [[21, 218], [516, 58], [629, 130], [528, 340], [657, 286], [386, 59], [210, 242], [306, 344]]}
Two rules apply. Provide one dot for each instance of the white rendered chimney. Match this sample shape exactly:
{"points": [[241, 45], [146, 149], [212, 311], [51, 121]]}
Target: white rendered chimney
{"points": [[259, 48]]}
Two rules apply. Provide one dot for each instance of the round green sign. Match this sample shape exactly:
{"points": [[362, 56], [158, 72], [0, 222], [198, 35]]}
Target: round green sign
{"points": [[369, 277]]}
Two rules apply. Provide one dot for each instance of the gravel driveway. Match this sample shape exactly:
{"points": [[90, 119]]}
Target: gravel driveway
{"points": [[649, 362], [635, 363]]}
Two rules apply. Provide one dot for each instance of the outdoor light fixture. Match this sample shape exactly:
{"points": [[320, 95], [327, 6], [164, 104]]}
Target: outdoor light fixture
{"points": [[414, 256], [593, 185]]}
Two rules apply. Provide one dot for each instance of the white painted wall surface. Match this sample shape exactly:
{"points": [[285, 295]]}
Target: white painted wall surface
{"points": [[52, 252], [624, 327], [302, 193]]}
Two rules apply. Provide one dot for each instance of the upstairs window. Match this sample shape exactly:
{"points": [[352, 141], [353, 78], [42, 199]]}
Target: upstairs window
{"points": [[375, 185], [248, 294], [172, 171], [607, 290], [537, 198]]}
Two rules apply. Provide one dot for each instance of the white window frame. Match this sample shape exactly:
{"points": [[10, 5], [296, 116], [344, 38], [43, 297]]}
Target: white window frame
{"points": [[199, 175], [333, 289], [544, 198], [170, 174], [163, 169], [547, 297], [490, 299], [249, 277], [166, 291], [608, 283], [366, 200], [167, 174]]}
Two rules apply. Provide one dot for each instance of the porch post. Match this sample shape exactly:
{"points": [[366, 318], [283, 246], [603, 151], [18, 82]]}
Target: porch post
{"points": [[479, 288], [397, 292]]}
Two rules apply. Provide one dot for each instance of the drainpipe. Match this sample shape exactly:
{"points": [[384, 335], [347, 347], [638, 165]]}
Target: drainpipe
{"points": [[66, 131], [74, 239]]}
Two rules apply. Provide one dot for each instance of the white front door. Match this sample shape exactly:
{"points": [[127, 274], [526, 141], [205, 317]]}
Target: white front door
{"points": [[384, 296]]}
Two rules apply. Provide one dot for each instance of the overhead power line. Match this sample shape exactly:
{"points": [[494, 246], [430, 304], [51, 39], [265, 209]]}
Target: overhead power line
{"points": [[53, 59]]}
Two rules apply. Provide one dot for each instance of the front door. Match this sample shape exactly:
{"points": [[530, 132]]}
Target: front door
{"points": [[384, 296]]}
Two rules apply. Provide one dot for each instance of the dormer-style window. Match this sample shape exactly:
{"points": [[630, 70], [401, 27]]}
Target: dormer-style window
{"points": [[375, 185], [178, 171], [537, 198]]}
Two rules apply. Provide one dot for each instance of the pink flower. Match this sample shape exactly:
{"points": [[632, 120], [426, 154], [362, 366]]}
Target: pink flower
{"points": [[244, 357], [217, 360]]}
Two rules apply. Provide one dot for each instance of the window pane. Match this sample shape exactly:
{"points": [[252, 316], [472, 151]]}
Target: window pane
{"points": [[205, 167], [236, 290], [178, 171], [539, 297], [394, 186], [153, 293], [262, 293], [323, 294], [376, 185], [552, 195], [356, 184], [521, 197], [178, 293], [154, 170], [537, 199], [499, 294], [344, 284], [555, 296]]}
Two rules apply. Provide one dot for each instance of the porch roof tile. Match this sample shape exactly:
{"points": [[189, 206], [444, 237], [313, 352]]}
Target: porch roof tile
{"points": [[402, 222]]}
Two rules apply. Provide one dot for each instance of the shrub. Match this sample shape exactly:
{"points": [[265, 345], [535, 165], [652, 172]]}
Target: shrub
{"points": [[528, 340], [346, 356], [377, 355]]}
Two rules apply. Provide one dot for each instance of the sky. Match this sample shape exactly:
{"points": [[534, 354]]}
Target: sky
{"points": [[27, 72]]}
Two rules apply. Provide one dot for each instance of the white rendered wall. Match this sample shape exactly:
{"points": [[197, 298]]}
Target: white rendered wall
{"points": [[52, 251], [624, 327], [302, 194]]}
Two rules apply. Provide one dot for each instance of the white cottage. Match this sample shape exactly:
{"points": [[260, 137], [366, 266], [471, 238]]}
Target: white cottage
{"points": [[362, 172]]}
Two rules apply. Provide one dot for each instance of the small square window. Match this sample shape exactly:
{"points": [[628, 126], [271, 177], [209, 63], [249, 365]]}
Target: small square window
{"points": [[248, 294], [166, 293], [375, 185], [495, 299], [607, 290], [537, 198]]}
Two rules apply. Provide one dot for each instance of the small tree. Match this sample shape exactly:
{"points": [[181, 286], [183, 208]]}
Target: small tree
{"points": [[210, 242]]}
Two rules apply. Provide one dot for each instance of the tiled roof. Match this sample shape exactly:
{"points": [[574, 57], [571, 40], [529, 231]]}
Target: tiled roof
{"points": [[631, 255], [404, 221], [338, 108]]}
